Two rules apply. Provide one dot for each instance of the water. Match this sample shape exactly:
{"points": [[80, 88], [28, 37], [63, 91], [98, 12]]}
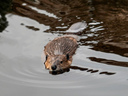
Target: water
{"points": [[22, 71]]}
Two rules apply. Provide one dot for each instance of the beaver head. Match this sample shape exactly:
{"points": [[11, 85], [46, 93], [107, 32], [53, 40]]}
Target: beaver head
{"points": [[57, 62]]}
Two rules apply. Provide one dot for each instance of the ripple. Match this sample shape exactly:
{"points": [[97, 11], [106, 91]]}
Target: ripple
{"points": [[20, 64], [33, 74]]}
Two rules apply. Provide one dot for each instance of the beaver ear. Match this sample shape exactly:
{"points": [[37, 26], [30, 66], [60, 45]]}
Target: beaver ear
{"points": [[67, 56]]}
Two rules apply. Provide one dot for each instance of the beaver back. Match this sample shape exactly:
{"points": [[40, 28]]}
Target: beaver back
{"points": [[61, 46]]}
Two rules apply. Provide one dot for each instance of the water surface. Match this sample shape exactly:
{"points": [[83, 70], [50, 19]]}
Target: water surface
{"points": [[22, 71]]}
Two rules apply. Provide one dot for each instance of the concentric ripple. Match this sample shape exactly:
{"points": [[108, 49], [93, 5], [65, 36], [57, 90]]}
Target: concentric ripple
{"points": [[30, 72]]}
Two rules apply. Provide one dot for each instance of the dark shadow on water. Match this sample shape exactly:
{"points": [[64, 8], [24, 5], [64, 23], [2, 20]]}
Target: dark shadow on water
{"points": [[5, 6], [91, 70], [80, 69], [109, 62], [59, 72]]}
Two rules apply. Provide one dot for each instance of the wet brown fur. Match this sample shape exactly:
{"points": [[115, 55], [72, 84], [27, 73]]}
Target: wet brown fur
{"points": [[59, 52]]}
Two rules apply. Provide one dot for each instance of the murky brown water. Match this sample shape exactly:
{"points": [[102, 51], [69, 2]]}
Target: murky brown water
{"points": [[99, 67]]}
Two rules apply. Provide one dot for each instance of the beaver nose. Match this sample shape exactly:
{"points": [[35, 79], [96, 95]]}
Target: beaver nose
{"points": [[54, 67]]}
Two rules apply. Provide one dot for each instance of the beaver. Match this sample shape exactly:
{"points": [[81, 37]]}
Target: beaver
{"points": [[59, 51]]}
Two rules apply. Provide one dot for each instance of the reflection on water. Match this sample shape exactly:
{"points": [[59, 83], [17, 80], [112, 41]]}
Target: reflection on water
{"points": [[90, 70], [81, 69], [110, 62], [5, 6], [22, 73]]}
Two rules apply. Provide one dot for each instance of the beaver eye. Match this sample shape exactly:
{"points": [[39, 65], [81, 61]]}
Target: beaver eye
{"points": [[61, 61], [46, 57]]}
